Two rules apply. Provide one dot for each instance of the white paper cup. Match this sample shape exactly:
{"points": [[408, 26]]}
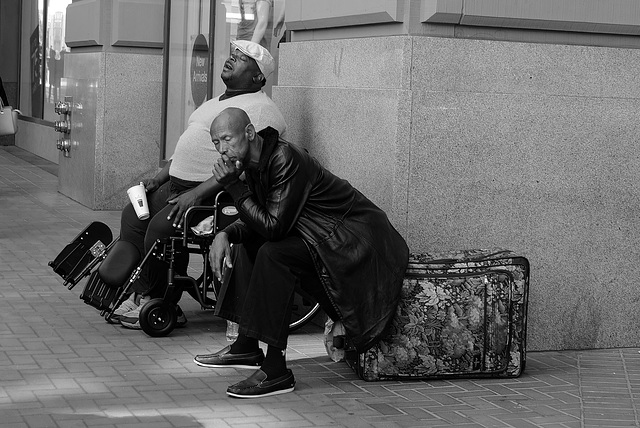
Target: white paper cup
{"points": [[138, 198]]}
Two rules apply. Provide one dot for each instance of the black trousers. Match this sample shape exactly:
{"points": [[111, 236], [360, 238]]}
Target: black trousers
{"points": [[143, 234], [260, 292]]}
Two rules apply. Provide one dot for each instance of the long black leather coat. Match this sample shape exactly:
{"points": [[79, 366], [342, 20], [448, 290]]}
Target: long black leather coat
{"points": [[360, 258]]}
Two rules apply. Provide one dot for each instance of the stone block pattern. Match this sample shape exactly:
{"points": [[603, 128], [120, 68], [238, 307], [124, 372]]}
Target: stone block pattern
{"points": [[531, 147], [116, 132], [63, 366]]}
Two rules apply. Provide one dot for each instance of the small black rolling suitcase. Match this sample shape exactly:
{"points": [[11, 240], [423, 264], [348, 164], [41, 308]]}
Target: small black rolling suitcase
{"points": [[461, 314]]}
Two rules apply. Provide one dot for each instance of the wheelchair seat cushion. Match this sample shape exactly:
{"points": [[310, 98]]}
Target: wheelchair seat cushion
{"points": [[119, 264]]}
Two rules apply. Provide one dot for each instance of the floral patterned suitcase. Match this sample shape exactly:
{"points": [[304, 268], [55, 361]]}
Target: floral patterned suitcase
{"points": [[461, 314]]}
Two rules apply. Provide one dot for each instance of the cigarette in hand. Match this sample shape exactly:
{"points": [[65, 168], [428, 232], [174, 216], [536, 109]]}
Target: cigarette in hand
{"points": [[227, 262], [238, 165]]}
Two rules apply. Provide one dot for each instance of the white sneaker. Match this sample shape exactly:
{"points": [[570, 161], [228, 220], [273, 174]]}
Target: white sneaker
{"points": [[126, 306], [131, 319]]}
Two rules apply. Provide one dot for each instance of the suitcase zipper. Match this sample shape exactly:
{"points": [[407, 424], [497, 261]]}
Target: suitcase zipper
{"points": [[471, 259]]}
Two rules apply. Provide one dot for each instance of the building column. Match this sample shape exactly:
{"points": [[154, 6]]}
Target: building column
{"points": [[114, 76]]}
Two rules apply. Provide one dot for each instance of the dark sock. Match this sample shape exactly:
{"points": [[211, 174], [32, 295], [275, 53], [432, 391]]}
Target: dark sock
{"points": [[275, 363], [244, 345]]}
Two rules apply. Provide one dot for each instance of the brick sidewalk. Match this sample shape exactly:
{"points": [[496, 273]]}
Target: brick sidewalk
{"points": [[61, 365]]}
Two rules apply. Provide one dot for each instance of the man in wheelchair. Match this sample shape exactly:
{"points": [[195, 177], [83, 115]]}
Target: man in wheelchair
{"points": [[186, 179], [303, 228]]}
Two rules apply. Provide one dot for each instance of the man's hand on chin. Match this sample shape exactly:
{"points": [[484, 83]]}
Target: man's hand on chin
{"points": [[227, 172]]}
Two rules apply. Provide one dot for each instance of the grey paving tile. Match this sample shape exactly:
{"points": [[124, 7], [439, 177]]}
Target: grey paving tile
{"points": [[61, 365]]}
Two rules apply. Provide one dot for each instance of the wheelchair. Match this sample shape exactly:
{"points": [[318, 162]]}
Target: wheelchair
{"points": [[114, 265]]}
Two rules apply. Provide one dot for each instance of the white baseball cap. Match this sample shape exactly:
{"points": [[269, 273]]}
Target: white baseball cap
{"points": [[261, 55]]}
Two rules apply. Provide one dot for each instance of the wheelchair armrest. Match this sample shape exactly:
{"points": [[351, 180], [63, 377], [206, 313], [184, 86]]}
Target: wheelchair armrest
{"points": [[188, 216]]}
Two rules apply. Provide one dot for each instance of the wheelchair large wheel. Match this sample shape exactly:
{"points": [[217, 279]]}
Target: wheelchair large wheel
{"points": [[158, 318], [304, 309]]}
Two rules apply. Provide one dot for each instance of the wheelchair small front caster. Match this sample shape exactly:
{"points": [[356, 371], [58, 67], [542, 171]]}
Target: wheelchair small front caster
{"points": [[158, 318], [108, 318]]}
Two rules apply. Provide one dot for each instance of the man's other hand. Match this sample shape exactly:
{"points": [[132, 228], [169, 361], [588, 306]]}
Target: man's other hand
{"points": [[220, 252], [151, 185], [182, 203]]}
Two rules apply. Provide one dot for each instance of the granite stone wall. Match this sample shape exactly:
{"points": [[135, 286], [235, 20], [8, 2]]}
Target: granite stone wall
{"points": [[475, 144], [116, 126]]}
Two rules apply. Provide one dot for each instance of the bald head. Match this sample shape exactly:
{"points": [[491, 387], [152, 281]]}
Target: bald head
{"points": [[231, 119], [231, 133]]}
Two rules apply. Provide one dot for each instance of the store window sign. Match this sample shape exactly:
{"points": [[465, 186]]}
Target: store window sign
{"points": [[199, 68]]}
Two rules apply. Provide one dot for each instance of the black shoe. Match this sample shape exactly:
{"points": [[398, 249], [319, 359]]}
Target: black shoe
{"points": [[224, 358], [257, 385]]}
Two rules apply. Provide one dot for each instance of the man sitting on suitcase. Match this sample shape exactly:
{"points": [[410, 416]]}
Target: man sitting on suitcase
{"points": [[303, 227]]}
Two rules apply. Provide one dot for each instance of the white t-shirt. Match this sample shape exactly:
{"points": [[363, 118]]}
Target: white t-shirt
{"points": [[195, 154]]}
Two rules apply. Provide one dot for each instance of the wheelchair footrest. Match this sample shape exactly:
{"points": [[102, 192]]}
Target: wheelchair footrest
{"points": [[90, 244], [97, 294]]}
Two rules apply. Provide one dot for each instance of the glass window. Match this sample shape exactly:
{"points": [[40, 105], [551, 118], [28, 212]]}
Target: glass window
{"points": [[42, 57], [54, 56], [31, 58], [188, 65], [198, 45]]}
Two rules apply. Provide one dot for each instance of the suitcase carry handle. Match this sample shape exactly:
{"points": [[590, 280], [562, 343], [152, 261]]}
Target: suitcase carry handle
{"points": [[470, 259]]}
